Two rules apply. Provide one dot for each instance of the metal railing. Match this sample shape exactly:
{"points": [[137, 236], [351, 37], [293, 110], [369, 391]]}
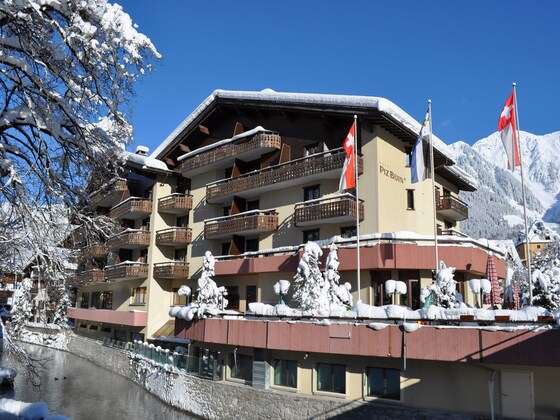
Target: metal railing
{"points": [[208, 367]]}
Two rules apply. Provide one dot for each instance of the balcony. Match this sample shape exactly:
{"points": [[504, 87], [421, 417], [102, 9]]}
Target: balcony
{"points": [[176, 236], [90, 276], [108, 316], [171, 270], [247, 223], [132, 208], [452, 208], [326, 165], [221, 157], [130, 239], [175, 204], [96, 250], [128, 270], [330, 210], [115, 191]]}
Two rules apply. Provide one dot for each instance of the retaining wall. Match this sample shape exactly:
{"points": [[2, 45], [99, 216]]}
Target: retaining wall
{"points": [[224, 399]]}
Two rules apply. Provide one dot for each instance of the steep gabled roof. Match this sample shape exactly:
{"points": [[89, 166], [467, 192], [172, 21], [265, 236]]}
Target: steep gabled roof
{"points": [[382, 111]]}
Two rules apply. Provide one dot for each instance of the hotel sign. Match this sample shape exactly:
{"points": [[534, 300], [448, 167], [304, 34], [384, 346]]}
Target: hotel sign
{"points": [[390, 174]]}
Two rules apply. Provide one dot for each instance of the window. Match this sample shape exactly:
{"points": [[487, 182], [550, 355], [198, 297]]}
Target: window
{"points": [[348, 232], [241, 367], [252, 205], [180, 254], [251, 294], [310, 235], [138, 296], [226, 211], [232, 297], [384, 383], [407, 156], [448, 224], [312, 149], [312, 192], [146, 224], [252, 245], [410, 199], [143, 258], [285, 373], [182, 221], [102, 300], [225, 248], [331, 378], [378, 279], [85, 300], [178, 300]]}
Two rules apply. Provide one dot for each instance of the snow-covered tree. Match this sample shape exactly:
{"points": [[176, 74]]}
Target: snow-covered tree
{"points": [[443, 291], [21, 308], [67, 71], [310, 287], [545, 273]]}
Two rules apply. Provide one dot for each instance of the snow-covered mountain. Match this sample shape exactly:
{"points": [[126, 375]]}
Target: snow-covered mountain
{"points": [[496, 209]]}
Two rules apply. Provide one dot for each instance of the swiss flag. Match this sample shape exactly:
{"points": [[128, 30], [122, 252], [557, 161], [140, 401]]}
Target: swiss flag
{"points": [[347, 178], [508, 133]]}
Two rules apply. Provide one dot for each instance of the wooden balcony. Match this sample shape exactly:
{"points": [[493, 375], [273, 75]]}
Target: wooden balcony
{"points": [[116, 191], [132, 208], [329, 210], [128, 270], [175, 236], [221, 157], [326, 165], [171, 270], [247, 223], [175, 204], [97, 250], [90, 276], [452, 208], [130, 239]]}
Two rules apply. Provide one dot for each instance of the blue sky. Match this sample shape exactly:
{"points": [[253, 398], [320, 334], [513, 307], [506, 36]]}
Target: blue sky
{"points": [[463, 55]]}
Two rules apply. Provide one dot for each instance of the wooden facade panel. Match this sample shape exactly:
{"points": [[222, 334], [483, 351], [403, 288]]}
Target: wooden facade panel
{"points": [[247, 333], [215, 331]]}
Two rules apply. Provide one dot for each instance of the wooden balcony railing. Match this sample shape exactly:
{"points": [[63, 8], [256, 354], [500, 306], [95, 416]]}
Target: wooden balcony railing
{"points": [[452, 208], [90, 276], [96, 250], [175, 236], [115, 191], [175, 204], [250, 222], [132, 208], [320, 166], [337, 209], [128, 270], [259, 144], [171, 270], [130, 239]]}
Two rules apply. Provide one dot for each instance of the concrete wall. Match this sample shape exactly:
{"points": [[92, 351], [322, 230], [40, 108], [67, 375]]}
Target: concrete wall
{"points": [[224, 399]]}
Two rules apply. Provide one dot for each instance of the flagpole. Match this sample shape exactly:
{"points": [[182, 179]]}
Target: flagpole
{"points": [[527, 247], [432, 173], [357, 208]]}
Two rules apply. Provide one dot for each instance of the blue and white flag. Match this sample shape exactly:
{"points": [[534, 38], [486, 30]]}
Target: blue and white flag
{"points": [[420, 154]]}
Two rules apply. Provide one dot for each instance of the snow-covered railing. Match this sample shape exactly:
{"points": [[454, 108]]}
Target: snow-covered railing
{"points": [[174, 236], [127, 270], [108, 190], [130, 237], [171, 270], [318, 163]]}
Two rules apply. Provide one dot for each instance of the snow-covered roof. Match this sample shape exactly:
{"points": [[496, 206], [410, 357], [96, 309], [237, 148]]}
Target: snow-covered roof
{"points": [[380, 104], [146, 162]]}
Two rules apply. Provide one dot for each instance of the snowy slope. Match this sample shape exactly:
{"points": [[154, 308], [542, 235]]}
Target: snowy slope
{"points": [[495, 210]]}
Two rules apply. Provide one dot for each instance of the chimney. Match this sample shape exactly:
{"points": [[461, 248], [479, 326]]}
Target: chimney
{"points": [[142, 150]]}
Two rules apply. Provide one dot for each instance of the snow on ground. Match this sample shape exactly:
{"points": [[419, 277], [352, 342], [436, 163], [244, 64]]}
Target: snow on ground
{"points": [[513, 220]]}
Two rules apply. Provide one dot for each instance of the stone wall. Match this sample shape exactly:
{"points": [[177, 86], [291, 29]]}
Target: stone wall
{"points": [[224, 399]]}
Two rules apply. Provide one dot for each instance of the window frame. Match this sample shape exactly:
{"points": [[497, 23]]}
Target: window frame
{"points": [[232, 371], [410, 204], [134, 293], [384, 394], [284, 371], [332, 381]]}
